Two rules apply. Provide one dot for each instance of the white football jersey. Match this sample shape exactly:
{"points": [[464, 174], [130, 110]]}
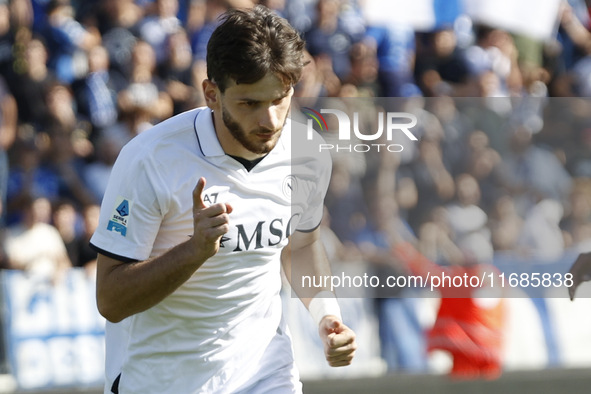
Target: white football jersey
{"points": [[211, 334]]}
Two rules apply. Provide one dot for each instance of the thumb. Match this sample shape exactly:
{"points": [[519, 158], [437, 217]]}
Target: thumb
{"points": [[333, 326], [197, 192]]}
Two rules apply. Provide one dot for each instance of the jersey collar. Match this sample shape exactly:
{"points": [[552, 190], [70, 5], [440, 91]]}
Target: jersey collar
{"points": [[206, 137]]}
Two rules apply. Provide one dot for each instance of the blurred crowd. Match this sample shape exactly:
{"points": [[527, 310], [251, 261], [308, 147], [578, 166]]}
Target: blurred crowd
{"points": [[506, 171]]}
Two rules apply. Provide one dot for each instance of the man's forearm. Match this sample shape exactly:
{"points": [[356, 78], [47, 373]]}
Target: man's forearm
{"points": [[124, 289], [305, 259]]}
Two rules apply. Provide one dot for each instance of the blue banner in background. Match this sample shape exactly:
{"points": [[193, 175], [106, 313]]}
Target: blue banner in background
{"points": [[54, 334]]}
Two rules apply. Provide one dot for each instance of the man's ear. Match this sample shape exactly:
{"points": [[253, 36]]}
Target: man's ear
{"points": [[211, 93]]}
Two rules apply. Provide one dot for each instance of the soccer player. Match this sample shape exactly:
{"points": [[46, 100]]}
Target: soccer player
{"points": [[199, 214]]}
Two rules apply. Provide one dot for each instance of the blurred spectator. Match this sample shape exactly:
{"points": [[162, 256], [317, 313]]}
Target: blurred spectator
{"points": [[67, 41], [455, 126], [402, 339], [574, 35], [482, 162], [364, 69], [30, 86], [467, 221], [21, 13], [541, 236], [505, 224], [39, 8], [494, 51], [28, 176], [195, 16], [396, 52], [156, 29], [75, 230], [531, 173], [435, 185], [441, 68], [35, 246], [116, 19], [66, 143], [144, 100], [179, 75], [345, 203], [96, 94], [330, 38], [63, 161], [435, 239], [64, 219], [62, 110]]}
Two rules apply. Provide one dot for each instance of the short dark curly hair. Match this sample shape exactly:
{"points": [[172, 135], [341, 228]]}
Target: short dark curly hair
{"points": [[250, 43]]}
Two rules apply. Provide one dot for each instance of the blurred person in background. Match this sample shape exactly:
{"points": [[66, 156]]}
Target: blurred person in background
{"points": [[494, 51], [505, 224], [144, 100], [31, 82], [116, 20], [67, 144], [34, 245], [434, 183], [402, 338], [482, 162], [466, 219], [68, 42], [76, 229], [541, 236], [28, 175], [96, 93], [64, 218], [396, 51], [364, 69], [179, 74], [531, 173], [441, 67], [330, 38], [157, 28]]}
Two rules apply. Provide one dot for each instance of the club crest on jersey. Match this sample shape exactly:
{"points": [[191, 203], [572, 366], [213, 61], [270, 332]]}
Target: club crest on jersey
{"points": [[289, 186], [120, 216]]}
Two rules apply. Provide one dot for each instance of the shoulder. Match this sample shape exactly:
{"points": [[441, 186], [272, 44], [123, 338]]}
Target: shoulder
{"points": [[173, 133]]}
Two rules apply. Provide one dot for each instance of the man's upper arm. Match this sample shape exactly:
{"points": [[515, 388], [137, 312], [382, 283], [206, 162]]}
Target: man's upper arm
{"points": [[130, 212]]}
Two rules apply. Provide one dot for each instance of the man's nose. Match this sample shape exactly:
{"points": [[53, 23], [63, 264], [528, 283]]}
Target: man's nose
{"points": [[269, 118]]}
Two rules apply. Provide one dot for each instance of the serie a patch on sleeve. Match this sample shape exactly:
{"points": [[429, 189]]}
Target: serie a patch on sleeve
{"points": [[120, 216]]}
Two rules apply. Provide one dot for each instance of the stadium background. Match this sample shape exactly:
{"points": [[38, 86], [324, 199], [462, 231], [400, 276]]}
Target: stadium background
{"points": [[60, 131]]}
